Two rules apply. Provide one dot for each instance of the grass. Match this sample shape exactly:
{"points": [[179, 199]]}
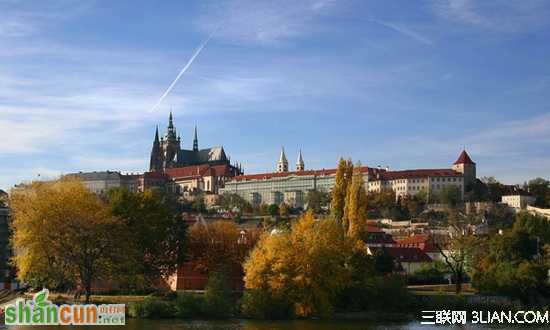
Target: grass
{"points": [[440, 289], [95, 299], [8, 295]]}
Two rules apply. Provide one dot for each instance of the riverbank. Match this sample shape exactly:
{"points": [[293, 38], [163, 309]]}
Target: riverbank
{"points": [[192, 306]]}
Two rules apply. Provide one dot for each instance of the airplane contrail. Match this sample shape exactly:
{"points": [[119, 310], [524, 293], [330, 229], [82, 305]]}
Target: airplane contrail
{"points": [[195, 54]]}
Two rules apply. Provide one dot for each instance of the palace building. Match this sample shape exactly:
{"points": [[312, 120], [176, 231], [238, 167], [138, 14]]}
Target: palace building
{"points": [[292, 187]]}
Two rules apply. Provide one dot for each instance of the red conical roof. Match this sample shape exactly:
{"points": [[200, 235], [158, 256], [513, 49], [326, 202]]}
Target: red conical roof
{"points": [[464, 158]]}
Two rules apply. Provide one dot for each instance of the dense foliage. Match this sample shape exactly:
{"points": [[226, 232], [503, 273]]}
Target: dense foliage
{"points": [[68, 236], [304, 267], [516, 262], [156, 236], [72, 238]]}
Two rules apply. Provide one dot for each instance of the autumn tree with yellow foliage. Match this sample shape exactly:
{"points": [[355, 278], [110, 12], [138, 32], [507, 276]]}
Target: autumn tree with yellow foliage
{"points": [[64, 235], [355, 211], [304, 267], [343, 179]]}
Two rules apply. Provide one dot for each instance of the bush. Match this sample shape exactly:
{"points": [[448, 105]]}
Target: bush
{"points": [[188, 305], [260, 304], [152, 307], [431, 273], [164, 294], [217, 297], [387, 293]]}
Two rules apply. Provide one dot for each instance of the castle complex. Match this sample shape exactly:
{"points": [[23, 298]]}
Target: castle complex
{"points": [[167, 152], [292, 187], [188, 172]]}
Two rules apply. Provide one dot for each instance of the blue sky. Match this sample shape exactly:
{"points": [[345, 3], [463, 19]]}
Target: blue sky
{"points": [[399, 83]]}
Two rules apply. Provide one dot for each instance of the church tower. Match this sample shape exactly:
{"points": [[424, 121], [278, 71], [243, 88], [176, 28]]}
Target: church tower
{"points": [[467, 167], [282, 164], [171, 144], [155, 164], [195, 141], [300, 162]]}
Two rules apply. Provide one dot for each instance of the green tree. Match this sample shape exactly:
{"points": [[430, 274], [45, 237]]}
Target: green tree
{"points": [[413, 205], [383, 262], [317, 201], [157, 235], [540, 189], [217, 296], [459, 250], [514, 263], [230, 202], [198, 204], [494, 189], [449, 195], [273, 210]]}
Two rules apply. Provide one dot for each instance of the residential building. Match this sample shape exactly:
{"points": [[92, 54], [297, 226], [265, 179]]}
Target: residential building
{"points": [[426, 243], [428, 181], [101, 182], [407, 260], [376, 237], [518, 201]]}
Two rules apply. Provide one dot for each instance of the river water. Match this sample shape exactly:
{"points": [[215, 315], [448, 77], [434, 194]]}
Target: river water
{"points": [[171, 324]]}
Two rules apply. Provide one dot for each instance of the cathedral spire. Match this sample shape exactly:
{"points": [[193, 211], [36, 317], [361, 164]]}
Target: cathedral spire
{"points": [[156, 141], [170, 120], [300, 162], [171, 131], [156, 154], [195, 141]]}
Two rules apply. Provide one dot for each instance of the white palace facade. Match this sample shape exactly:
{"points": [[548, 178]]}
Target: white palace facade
{"points": [[292, 187]]}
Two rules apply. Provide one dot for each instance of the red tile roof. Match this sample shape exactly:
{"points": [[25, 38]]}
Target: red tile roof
{"points": [[415, 239], [198, 170], [422, 173], [323, 172], [426, 243], [373, 229], [402, 254], [154, 175], [464, 158]]}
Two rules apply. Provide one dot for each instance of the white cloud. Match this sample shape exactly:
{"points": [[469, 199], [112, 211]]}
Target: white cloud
{"points": [[496, 15], [405, 31], [15, 28], [262, 22], [98, 162], [512, 151]]}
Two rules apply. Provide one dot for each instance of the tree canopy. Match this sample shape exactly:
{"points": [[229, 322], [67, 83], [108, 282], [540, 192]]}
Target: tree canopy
{"points": [[516, 262], [305, 267], [157, 235], [65, 236]]}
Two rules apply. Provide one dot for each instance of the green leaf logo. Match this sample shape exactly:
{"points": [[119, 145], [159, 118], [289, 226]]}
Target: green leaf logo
{"points": [[40, 298]]}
